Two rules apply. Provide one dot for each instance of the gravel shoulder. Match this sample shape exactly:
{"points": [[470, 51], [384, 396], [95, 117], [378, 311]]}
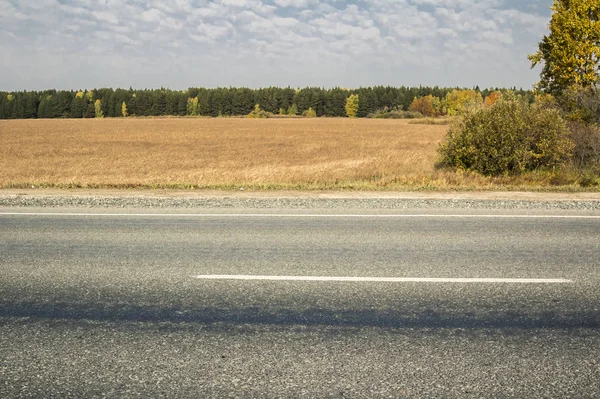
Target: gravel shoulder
{"points": [[181, 199]]}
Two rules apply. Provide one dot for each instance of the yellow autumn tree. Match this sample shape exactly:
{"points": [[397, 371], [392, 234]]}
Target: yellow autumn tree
{"points": [[98, 109], [570, 53], [352, 105], [493, 98], [124, 110], [458, 101], [428, 106]]}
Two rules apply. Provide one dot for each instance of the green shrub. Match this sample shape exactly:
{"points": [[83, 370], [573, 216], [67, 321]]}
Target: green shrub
{"points": [[589, 179], [258, 113], [292, 110], [509, 137], [383, 114], [310, 113]]}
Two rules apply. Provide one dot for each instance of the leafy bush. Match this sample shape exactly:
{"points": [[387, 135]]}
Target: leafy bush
{"points": [[383, 114], [258, 113], [509, 137], [310, 113]]}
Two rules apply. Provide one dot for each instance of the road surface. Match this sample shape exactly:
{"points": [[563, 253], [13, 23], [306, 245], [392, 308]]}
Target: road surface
{"points": [[138, 303]]}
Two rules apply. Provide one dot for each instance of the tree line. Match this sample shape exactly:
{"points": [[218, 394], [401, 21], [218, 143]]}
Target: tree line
{"points": [[214, 102]]}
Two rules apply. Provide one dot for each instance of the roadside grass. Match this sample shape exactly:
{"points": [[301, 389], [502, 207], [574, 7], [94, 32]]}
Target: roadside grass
{"points": [[230, 153]]}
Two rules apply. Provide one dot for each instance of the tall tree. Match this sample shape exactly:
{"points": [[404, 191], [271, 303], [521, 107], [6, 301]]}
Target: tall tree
{"points": [[78, 105], [571, 51], [98, 108], [428, 105], [458, 101], [352, 106]]}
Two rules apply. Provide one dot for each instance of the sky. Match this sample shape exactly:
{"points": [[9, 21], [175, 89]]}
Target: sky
{"points": [[79, 44]]}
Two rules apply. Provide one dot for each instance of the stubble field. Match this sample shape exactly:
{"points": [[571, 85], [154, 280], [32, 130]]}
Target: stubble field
{"points": [[218, 153], [215, 153]]}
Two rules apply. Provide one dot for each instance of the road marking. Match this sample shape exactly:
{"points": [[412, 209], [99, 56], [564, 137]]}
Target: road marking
{"points": [[387, 279], [292, 215]]}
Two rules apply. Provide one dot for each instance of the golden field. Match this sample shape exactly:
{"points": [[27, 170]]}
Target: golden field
{"points": [[295, 153]]}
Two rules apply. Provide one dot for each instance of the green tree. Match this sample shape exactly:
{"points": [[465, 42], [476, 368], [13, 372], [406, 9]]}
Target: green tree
{"points": [[352, 106], [78, 105], [292, 110], [571, 51], [192, 106], [368, 102], [336, 102], [43, 107]]}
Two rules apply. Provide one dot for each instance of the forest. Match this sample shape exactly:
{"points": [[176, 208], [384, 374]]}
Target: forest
{"points": [[214, 102]]}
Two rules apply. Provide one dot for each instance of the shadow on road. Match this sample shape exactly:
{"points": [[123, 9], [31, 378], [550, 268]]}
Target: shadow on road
{"points": [[389, 318]]}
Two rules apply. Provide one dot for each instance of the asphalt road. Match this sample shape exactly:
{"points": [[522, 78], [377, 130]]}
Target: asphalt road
{"points": [[98, 305]]}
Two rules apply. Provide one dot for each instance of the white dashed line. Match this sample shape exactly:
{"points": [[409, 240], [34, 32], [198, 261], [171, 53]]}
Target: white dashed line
{"points": [[388, 279]]}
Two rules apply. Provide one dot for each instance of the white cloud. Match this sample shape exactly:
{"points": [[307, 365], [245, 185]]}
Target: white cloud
{"points": [[292, 3], [152, 15], [264, 42]]}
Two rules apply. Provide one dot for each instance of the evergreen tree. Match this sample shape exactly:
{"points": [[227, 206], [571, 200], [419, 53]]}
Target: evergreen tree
{"points": [[9, 106], [133, 105], [368, 102], [182, 104], [78, 106], [43, 107], [159, 103]]}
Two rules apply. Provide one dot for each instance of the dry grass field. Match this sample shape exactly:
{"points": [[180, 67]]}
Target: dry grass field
{"points": [[229, 153]]}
